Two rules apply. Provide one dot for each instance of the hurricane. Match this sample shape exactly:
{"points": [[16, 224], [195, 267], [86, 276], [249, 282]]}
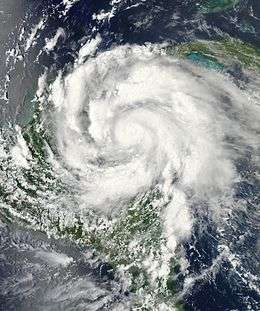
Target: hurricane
{"points": [[129, 157]]}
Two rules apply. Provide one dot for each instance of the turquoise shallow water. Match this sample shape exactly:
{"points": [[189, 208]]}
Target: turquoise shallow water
{"points": [[129, 155], [204, 61]]}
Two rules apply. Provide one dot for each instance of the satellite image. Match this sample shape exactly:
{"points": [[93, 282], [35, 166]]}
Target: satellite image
{"points": [[129, 155]]}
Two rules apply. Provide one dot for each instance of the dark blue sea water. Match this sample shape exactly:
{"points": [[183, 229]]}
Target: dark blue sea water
{"points": [[42, 273]]}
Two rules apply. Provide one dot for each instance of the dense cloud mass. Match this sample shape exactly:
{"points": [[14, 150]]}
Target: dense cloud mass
{"points": [[129, 155], [132, 118]]}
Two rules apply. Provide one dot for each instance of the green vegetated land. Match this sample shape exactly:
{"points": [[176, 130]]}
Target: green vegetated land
{"points": [[219, 54], [215, 6], [137, 232]]}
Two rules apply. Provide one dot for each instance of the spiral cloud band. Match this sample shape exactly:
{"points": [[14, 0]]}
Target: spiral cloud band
{"points": [[131, 119]]}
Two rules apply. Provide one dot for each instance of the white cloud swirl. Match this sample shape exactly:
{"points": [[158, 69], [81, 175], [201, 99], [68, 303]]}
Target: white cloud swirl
{"points": [[130, 118]]}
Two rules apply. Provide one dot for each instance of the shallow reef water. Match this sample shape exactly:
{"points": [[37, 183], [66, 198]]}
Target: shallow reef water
{"points": [[129, 155]]}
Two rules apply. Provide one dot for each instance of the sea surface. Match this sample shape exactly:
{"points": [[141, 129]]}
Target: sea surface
{"points": [[129, 155]]}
